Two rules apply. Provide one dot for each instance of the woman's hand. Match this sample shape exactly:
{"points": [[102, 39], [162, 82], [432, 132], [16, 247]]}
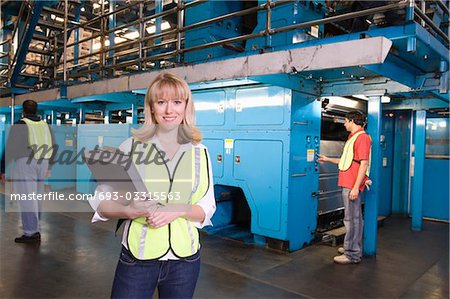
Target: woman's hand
{"points": [[139, 208], [160, 218], [132, 212]]}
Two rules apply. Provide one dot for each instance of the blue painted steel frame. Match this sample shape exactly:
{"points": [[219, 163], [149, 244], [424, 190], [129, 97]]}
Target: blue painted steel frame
{"points": [[400, 177], [419, 160], [372, 196]]}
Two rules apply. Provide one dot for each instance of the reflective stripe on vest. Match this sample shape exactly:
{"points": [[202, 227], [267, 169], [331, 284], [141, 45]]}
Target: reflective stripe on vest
{"points": [[39, 138], [348, 153], [187, 185]]}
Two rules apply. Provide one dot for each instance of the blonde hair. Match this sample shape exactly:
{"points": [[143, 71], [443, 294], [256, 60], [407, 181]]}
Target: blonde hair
{"points": [[161, 85]]}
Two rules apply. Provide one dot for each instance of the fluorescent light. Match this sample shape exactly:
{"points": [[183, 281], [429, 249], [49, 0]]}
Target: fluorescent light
{"points": [[385, 99], [131, 35], [57, 19], [152, 28], [341, 101]]}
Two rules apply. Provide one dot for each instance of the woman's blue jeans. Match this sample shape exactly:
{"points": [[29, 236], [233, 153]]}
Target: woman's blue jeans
{"points": [[139, 279]]}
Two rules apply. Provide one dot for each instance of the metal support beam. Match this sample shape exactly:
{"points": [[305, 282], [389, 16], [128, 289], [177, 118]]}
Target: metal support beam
{"points": [[372, 197], [66, 17], [120, 97], [158, 23], [111, 24], [415, 104], [81, 116], [12, 108], [134, 114], [418, 162], [294, 82], [391, 68], [76, 47], [370, 86], [106, 116]]}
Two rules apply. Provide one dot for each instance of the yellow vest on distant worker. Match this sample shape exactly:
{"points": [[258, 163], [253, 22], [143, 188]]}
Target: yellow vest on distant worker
{"points": [[39, 135], [348, 153], [188, 185]]}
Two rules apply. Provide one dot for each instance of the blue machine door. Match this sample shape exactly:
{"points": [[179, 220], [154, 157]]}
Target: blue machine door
{"points": [[436, 169], [215, 149], [210, 108], [255, 164], [401, 158], [387, 156]]}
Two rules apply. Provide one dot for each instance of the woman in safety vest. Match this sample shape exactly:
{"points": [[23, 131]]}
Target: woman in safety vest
{"points": [[160, 243]]}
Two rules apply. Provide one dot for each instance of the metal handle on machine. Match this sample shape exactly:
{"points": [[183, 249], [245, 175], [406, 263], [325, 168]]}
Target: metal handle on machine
{"points": [[314, 194], [237, 159], [295, 175], [219, 158], [300, 123]]}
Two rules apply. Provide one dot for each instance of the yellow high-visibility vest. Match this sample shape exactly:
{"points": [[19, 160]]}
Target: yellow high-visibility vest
{"points": [[39, 138], [189, 183], [348, 153]]}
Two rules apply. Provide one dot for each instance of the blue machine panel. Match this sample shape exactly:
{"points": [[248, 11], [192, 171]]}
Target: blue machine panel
{"points": [[2, 133], [387, 153], [63, 174], [260, 106], [89, 136], [231, 27], [260, 165], [435, 189], [210, 108], [268, 146], [289, 13], [215, 149], [400, 171], [436, 169]]}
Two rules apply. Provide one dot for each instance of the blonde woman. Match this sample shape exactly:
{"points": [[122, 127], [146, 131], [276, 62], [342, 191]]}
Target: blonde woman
{"points": [[160, 248]]}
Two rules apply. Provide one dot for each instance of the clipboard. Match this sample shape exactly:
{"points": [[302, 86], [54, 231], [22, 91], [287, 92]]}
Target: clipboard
{"points": [[113, 167], [116, 168]]}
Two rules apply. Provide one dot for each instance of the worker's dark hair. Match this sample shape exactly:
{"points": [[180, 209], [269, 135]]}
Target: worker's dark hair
{"points": [[29, 107], [357, 117]]}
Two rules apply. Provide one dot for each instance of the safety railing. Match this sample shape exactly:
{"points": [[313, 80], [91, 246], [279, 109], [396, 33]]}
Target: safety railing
{"points": [[146, 42]]}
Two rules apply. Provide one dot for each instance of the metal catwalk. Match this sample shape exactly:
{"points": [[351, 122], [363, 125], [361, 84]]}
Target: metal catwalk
{"points": [[77, 259]]}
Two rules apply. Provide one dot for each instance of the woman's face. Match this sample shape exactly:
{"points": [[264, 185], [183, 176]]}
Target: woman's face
{"points": [[169, 109]]}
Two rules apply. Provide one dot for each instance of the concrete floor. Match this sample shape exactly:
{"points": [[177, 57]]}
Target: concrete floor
{"points": [[77, 259]]}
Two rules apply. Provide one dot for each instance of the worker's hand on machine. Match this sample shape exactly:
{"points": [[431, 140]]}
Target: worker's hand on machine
{"points": [[48, 173], [368, 183], [3, 176], [322, 158], [353, 194]]}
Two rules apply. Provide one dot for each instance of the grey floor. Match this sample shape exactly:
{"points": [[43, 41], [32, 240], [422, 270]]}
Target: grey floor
{"points": [[77, 259]]}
